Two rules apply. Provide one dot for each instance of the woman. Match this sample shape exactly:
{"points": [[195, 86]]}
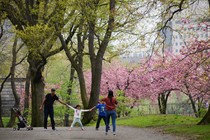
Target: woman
{"points": [[111, 104]]}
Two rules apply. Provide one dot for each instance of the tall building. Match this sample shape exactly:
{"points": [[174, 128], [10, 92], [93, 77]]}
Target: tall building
{"points": [[189, 25], [186, 26]]}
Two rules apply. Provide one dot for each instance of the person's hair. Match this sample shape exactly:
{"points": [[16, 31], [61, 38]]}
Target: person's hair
{"points": [[52, 89], [77, 106], [110, 95]]}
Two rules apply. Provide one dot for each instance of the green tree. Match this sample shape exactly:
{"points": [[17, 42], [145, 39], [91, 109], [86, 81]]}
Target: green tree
{"points": [[97, 21], [34, 21], [2, 60]]}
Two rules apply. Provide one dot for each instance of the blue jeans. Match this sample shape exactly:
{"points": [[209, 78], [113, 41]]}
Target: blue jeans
{"points": [[111, 114]]}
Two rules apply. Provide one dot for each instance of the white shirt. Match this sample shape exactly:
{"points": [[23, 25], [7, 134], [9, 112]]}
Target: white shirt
{"points": [[78, 112]]}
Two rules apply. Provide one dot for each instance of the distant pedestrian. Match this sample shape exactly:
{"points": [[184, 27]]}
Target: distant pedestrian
{"points": [[77, 115], [48, 107], [111, 104]]}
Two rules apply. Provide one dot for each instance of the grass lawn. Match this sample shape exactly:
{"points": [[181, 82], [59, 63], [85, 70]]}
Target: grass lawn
{"points": [[5, 120], [174, 124]]}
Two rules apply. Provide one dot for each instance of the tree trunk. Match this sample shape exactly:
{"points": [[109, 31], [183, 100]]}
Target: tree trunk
{"points": [[16, 105], [37, 90], [199, 106], [193, 105], [95, 91], [206, 119], [2, 84], [96, 60], [27, 94], [17, 98], [162, 101], [82, 88], [1, 122], [161, 104], [69, 92], [1, 88]]}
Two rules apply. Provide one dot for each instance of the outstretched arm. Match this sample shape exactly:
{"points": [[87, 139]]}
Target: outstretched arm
{"points": [[85, 110], [92, 108], [60, 101], [70, 106]]}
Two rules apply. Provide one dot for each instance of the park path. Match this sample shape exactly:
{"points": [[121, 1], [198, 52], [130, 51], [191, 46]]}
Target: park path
{"points": [[62, 133]]}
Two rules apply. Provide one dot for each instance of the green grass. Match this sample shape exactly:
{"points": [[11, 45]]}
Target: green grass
{"points": [[195, 132], [5, 120], [175, 124]]}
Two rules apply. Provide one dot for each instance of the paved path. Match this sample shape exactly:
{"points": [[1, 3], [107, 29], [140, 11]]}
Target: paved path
{"points": [[62, 133]]}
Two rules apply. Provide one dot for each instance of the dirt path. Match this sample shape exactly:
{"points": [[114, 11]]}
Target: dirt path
{"points": [[62, 133]]}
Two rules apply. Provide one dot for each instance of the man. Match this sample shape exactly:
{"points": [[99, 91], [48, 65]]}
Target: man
{"points": [[48, 107]]}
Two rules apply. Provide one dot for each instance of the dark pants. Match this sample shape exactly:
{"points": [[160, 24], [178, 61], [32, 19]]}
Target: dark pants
{"points": [[111, 114], [99, 120], [49, 111]]}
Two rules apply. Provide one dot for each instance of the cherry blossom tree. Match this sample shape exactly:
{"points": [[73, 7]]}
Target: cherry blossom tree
{"points": [[157, 77], [197, 79], [183, 73], [120, 78], [188, 73]]}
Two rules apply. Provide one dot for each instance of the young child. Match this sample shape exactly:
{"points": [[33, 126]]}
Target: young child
{"points": [[77, 115], [101, 113]]}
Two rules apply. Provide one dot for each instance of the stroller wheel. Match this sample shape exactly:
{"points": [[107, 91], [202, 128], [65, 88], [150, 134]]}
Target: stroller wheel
{"points": [[18, 128], [14, 128], [31, 128]]}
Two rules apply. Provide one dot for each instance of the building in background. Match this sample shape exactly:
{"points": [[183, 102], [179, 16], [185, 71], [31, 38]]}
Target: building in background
{"points": [[189, 25], [7, 97]]}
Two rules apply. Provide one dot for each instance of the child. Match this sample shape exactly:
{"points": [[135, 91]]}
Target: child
{"points": [[101, 113], [77, 115]]}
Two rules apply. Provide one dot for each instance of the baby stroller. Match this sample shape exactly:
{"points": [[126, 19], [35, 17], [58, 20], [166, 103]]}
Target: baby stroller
{"points": [[22, 121]]}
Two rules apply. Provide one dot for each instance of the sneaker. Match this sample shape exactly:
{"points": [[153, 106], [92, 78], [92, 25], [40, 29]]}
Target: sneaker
{"points": [[106, 133], [69, 129], [114, 133], [45, 129], [54, 129], [82, 129], [96, 129]]}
